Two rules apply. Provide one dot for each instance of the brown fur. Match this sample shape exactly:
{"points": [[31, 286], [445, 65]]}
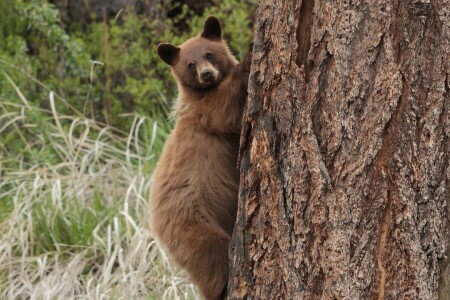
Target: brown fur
{"points": [[195, 185]]}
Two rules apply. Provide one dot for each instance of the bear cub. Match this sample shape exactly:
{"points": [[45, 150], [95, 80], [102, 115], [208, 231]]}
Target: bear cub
{"points": [[194, 193]]}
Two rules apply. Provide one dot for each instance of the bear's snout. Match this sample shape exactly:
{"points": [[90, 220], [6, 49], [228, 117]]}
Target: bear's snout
{"points": [[207, 75]]}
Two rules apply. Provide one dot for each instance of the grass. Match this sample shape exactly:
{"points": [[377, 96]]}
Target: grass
{"points": [[73, 207]]}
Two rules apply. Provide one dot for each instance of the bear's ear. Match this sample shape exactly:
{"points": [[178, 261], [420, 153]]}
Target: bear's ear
{"points": [[212, 30], [168, 53]]}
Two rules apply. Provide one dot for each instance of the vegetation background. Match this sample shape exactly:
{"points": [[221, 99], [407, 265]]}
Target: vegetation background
{"points": [[84, 106]]}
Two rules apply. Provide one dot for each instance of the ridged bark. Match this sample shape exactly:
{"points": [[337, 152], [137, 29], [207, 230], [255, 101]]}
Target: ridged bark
{"points": [[345, 153]]}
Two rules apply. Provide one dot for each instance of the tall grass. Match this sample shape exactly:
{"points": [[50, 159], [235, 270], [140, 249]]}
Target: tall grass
{"points": [[73, 207]]}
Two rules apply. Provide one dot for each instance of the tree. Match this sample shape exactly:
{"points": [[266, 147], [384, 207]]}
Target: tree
{"points": [[345, 153]]}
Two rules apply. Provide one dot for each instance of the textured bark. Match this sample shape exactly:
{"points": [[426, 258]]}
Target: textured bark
{"points": [[345, 153]]}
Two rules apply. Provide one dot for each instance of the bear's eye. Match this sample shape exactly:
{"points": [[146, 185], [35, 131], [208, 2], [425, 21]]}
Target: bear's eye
{"points": [[209, 56], [191, 66]]}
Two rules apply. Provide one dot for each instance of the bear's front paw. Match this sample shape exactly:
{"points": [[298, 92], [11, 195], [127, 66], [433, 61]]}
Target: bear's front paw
{"points": [[247, 60]]}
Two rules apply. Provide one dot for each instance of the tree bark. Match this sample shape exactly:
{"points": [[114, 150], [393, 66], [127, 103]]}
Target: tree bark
{"points": [[345, 153]]}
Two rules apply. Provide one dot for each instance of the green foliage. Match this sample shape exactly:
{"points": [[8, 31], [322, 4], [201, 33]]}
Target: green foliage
{"points": [[38, 46], [109, 69], [234, 16], [62, 225]]}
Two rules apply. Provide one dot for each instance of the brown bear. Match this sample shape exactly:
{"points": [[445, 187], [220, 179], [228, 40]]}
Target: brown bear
{"points": [[194, 191]]}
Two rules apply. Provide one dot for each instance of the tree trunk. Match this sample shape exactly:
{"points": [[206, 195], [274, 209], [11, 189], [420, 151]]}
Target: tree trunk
{"points": [[345, 153]]}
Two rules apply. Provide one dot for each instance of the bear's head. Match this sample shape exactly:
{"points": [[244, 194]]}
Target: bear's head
{"points": [[201, 62]]}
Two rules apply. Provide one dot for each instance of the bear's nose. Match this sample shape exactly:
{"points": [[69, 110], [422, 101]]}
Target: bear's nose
{"points": [[206, 75]]}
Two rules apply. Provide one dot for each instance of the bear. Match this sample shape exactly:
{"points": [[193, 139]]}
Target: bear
{"points": [[194, 190]]}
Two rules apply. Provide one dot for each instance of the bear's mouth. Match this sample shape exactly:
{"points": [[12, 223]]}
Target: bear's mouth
{"points": [[210, 85]]}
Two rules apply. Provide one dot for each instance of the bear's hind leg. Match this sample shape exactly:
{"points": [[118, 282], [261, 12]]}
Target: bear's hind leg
{"points": [[205, 258]]}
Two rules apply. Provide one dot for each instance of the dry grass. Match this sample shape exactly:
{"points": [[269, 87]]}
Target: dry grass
{"points": [[73, 209]]}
